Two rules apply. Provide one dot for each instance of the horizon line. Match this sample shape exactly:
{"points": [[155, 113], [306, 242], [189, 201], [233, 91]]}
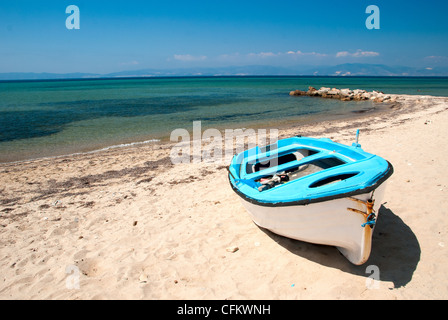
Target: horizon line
{"points": [[212, 76]]}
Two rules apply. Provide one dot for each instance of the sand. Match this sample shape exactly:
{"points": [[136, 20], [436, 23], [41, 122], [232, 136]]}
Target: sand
{"points": [[128, 224]]}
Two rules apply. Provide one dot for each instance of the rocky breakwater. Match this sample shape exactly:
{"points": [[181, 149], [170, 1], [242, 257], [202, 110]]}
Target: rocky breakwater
{"points": [[344, 94]]}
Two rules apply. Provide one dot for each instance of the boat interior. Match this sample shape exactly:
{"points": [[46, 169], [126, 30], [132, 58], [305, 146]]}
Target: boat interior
{"points": [[271, 171]]}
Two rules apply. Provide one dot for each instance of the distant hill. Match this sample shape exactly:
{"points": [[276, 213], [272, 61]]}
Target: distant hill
{"points": [[358, 69], [348, 69], [45, 76]]}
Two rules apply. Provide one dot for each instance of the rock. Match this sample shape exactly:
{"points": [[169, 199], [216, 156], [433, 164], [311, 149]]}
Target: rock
{"points": [[346, 92], [378, 99], [323, 90], [297, 93], [365, 96], [312, 92], [334, 91], [143, 278], [232, 249]]}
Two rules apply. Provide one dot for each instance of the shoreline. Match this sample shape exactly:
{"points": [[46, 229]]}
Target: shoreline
{"points": [[86, 134], [165, 140], [136, 226], [106, 148], [376, 108]]}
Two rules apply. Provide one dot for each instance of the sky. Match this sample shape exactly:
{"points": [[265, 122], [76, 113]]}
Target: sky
{"points": [[132, 35]]}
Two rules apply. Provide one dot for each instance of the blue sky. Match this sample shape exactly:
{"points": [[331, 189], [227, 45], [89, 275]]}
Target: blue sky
{"points": [[127, 35]]}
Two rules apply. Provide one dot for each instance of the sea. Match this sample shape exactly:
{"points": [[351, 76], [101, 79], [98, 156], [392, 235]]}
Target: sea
{"points": [[60, 117]]}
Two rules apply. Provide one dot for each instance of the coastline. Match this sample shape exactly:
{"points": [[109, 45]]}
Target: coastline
{"points": [[139, 227], [63, 123], [367, 108]]}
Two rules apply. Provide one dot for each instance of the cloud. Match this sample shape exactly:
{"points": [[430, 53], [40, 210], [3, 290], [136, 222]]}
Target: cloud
{"points": [[188, 57], [291, 56], [264, 54], [436, 59], [229, 56], [300, 53], [284, 54], [249, 57], [342, 54], [358, 54]]}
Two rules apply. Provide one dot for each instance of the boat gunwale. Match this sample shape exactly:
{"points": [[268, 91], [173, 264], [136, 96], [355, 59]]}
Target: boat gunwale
{"points": [[303, 202]]}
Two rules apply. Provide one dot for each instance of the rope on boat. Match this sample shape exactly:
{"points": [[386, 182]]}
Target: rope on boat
{"points": [[371, 221], [369, 214]]}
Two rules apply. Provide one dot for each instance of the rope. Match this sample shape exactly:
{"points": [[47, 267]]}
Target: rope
{"points": [[370, 221]]}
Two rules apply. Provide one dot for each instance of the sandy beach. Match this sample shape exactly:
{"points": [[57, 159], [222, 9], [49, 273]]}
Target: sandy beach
{"points": [[128, 224]]}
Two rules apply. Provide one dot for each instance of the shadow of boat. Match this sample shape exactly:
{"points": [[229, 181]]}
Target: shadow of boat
{"points": [[395, 251]]}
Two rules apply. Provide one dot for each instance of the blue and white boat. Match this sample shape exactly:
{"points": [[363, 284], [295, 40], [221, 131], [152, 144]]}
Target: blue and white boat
{"points": [[313, 190]]}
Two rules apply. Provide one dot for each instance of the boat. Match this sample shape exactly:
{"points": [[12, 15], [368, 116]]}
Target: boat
{"points": [[313, 190]]}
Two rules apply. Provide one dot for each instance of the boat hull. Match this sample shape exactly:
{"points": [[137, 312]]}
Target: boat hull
{"points": [[327, 222]]}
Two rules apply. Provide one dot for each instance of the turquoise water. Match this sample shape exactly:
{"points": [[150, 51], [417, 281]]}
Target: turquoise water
{"points": [[48, 118]]}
